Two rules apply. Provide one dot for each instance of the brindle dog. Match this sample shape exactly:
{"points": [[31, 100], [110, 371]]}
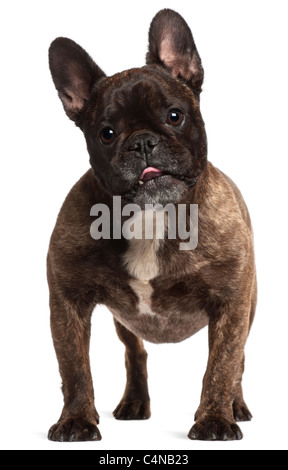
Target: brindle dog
{"points": [[147, 143]]}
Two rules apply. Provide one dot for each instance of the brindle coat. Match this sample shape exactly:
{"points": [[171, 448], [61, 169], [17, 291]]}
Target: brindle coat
{"points": [[155, 291]]}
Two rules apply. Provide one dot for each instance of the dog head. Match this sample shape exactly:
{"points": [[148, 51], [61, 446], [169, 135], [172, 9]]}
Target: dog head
{"points": [[143, 127]]}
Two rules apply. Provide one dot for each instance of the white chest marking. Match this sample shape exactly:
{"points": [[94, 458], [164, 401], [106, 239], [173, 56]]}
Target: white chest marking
{"points": [[142, 264], [141, 259], [144, 293]]}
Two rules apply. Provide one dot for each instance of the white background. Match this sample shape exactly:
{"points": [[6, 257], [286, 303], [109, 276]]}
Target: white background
{"points": [[243, 45]]}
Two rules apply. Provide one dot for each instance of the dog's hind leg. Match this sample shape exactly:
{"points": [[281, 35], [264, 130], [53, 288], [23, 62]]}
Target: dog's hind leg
{"points": [[135, 403]]}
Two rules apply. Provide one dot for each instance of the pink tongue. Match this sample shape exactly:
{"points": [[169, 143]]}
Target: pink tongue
{"points": [[150, 173]]}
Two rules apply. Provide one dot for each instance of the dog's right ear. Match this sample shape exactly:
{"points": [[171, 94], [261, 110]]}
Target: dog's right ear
{"points": [[74, 74]]}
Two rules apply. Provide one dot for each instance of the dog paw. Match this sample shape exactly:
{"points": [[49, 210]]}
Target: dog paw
{"points": [[214, 428], [134, 409], [70, 430], [241, 411]]}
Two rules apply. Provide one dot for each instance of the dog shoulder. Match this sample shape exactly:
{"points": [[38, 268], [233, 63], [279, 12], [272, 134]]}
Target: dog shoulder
{"points": [[225, 234], [73, 223], [224, 199], [77, 205], [240, 200]]}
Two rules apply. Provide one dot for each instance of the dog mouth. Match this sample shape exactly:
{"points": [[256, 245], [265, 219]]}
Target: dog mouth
{"points": [[152, 180], [149, 174], [154, 176]]}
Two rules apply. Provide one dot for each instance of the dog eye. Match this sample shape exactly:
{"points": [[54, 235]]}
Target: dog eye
{"points": [[175, 117], [107, 135]]}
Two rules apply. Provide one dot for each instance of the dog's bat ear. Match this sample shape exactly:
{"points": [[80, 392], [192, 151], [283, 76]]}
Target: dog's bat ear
{"points": [[74, 74], [171, 45]]}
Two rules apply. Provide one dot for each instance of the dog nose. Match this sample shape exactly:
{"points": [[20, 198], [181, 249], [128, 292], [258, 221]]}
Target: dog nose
{"points": [[143, 143]]}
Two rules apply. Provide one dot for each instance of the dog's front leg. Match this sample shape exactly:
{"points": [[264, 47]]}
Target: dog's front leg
{"points": [[70, 326], [228, 331]]}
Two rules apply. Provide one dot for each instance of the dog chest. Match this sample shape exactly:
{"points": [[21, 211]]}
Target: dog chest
{"points": [[141, 259]]}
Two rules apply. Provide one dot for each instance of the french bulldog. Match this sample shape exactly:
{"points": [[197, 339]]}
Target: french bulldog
{"points": [[147, 145]]}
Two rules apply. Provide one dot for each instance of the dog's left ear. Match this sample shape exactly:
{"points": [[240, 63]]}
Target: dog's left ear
{"points": [[171, 44]]}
